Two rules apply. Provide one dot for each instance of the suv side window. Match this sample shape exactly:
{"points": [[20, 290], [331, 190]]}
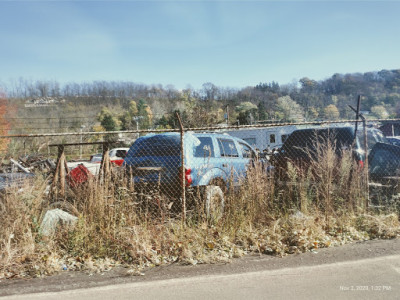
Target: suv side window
{"points": [[246, 151], [227, 148], [205, 149]]}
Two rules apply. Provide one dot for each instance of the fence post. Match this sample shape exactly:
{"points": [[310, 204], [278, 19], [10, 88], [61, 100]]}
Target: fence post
{"points": [[183, 179], [105, 164], [366, 162], [60, 172]]}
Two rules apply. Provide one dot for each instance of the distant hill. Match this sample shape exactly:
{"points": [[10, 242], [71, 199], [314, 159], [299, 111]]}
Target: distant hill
{"points": [[47, 106]]}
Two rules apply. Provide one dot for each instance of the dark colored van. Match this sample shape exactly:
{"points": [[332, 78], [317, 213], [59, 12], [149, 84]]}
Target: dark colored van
{"points": [[301, 146]]}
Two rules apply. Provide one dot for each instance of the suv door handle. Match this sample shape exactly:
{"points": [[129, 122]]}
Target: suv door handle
{"points": [[224, 165]]}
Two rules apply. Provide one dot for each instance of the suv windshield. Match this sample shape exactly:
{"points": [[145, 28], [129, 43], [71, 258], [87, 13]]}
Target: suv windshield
{"points": [[157, 146]]}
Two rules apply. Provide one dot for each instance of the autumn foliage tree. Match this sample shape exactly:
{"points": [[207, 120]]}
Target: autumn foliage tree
{"points": [[331, 112]]}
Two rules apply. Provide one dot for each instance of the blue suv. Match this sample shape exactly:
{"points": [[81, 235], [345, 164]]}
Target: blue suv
{"points": [[211, 161]]}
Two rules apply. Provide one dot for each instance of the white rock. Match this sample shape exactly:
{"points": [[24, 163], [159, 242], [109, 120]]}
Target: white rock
{"points": [[54, 217]]}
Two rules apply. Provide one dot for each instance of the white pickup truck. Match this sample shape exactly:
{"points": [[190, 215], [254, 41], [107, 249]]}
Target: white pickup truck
{"points": [[117, 156]]}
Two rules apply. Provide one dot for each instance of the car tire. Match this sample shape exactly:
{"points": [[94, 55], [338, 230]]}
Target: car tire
{"points": [[214, 201]]}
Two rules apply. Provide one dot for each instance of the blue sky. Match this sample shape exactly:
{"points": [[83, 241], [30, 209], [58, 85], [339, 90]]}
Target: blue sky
{"points": [[229, 43]]}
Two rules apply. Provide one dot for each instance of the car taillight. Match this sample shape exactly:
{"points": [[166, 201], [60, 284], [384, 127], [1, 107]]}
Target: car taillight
{"points": [[188, 176]]}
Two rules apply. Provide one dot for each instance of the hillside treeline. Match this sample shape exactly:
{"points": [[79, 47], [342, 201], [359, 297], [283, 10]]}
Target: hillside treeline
{"points": [[125, 105]]}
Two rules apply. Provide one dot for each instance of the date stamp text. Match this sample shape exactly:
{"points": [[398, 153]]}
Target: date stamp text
{"points": [[377, 288]]}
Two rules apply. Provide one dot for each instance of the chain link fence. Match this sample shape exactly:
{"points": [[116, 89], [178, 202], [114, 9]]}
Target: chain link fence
{"points": [[200, 171]]}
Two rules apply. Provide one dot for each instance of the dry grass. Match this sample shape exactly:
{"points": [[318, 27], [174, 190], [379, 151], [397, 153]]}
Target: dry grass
{"points": [[116, 225]]}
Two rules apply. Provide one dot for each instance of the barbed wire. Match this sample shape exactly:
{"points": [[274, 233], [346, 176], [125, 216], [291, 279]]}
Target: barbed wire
{"points": [[209, 128]]}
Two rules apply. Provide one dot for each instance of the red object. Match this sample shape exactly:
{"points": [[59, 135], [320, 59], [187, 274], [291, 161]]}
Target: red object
{"points": [[78, 175], [361, 164], [117, 162], [188, 177]]}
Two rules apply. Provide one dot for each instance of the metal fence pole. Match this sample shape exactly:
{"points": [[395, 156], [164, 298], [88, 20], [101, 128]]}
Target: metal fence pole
{"points": [[183, 179], [366, 162]]}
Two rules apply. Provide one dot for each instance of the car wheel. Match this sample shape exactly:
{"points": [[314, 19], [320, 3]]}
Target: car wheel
{"points": [[214, 201]]}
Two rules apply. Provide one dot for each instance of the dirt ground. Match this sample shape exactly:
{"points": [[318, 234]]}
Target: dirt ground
{"points": [[73, 280]]}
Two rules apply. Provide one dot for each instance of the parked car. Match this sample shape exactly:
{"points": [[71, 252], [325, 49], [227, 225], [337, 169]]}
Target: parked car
{"points": [[211, 160], [300, 147], [117, 156]]}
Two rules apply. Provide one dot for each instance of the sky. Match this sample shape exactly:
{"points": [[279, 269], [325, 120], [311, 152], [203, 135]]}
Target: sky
{"points": [[188, 43]]}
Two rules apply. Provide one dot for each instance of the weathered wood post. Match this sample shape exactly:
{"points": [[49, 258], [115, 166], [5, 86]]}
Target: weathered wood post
{"points": [[105, 166], [60, 172]]}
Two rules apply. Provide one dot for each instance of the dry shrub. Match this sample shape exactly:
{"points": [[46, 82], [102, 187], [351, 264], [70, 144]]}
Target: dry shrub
{"points": [[339, 181], [379, 226], [328, 182], [20, 213], [253, 202]]}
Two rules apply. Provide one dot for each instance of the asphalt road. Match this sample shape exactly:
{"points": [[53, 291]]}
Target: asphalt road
{"points": [[369, 270]]}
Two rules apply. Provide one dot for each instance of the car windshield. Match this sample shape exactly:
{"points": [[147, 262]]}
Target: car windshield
{"points": [[157, 146]]}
